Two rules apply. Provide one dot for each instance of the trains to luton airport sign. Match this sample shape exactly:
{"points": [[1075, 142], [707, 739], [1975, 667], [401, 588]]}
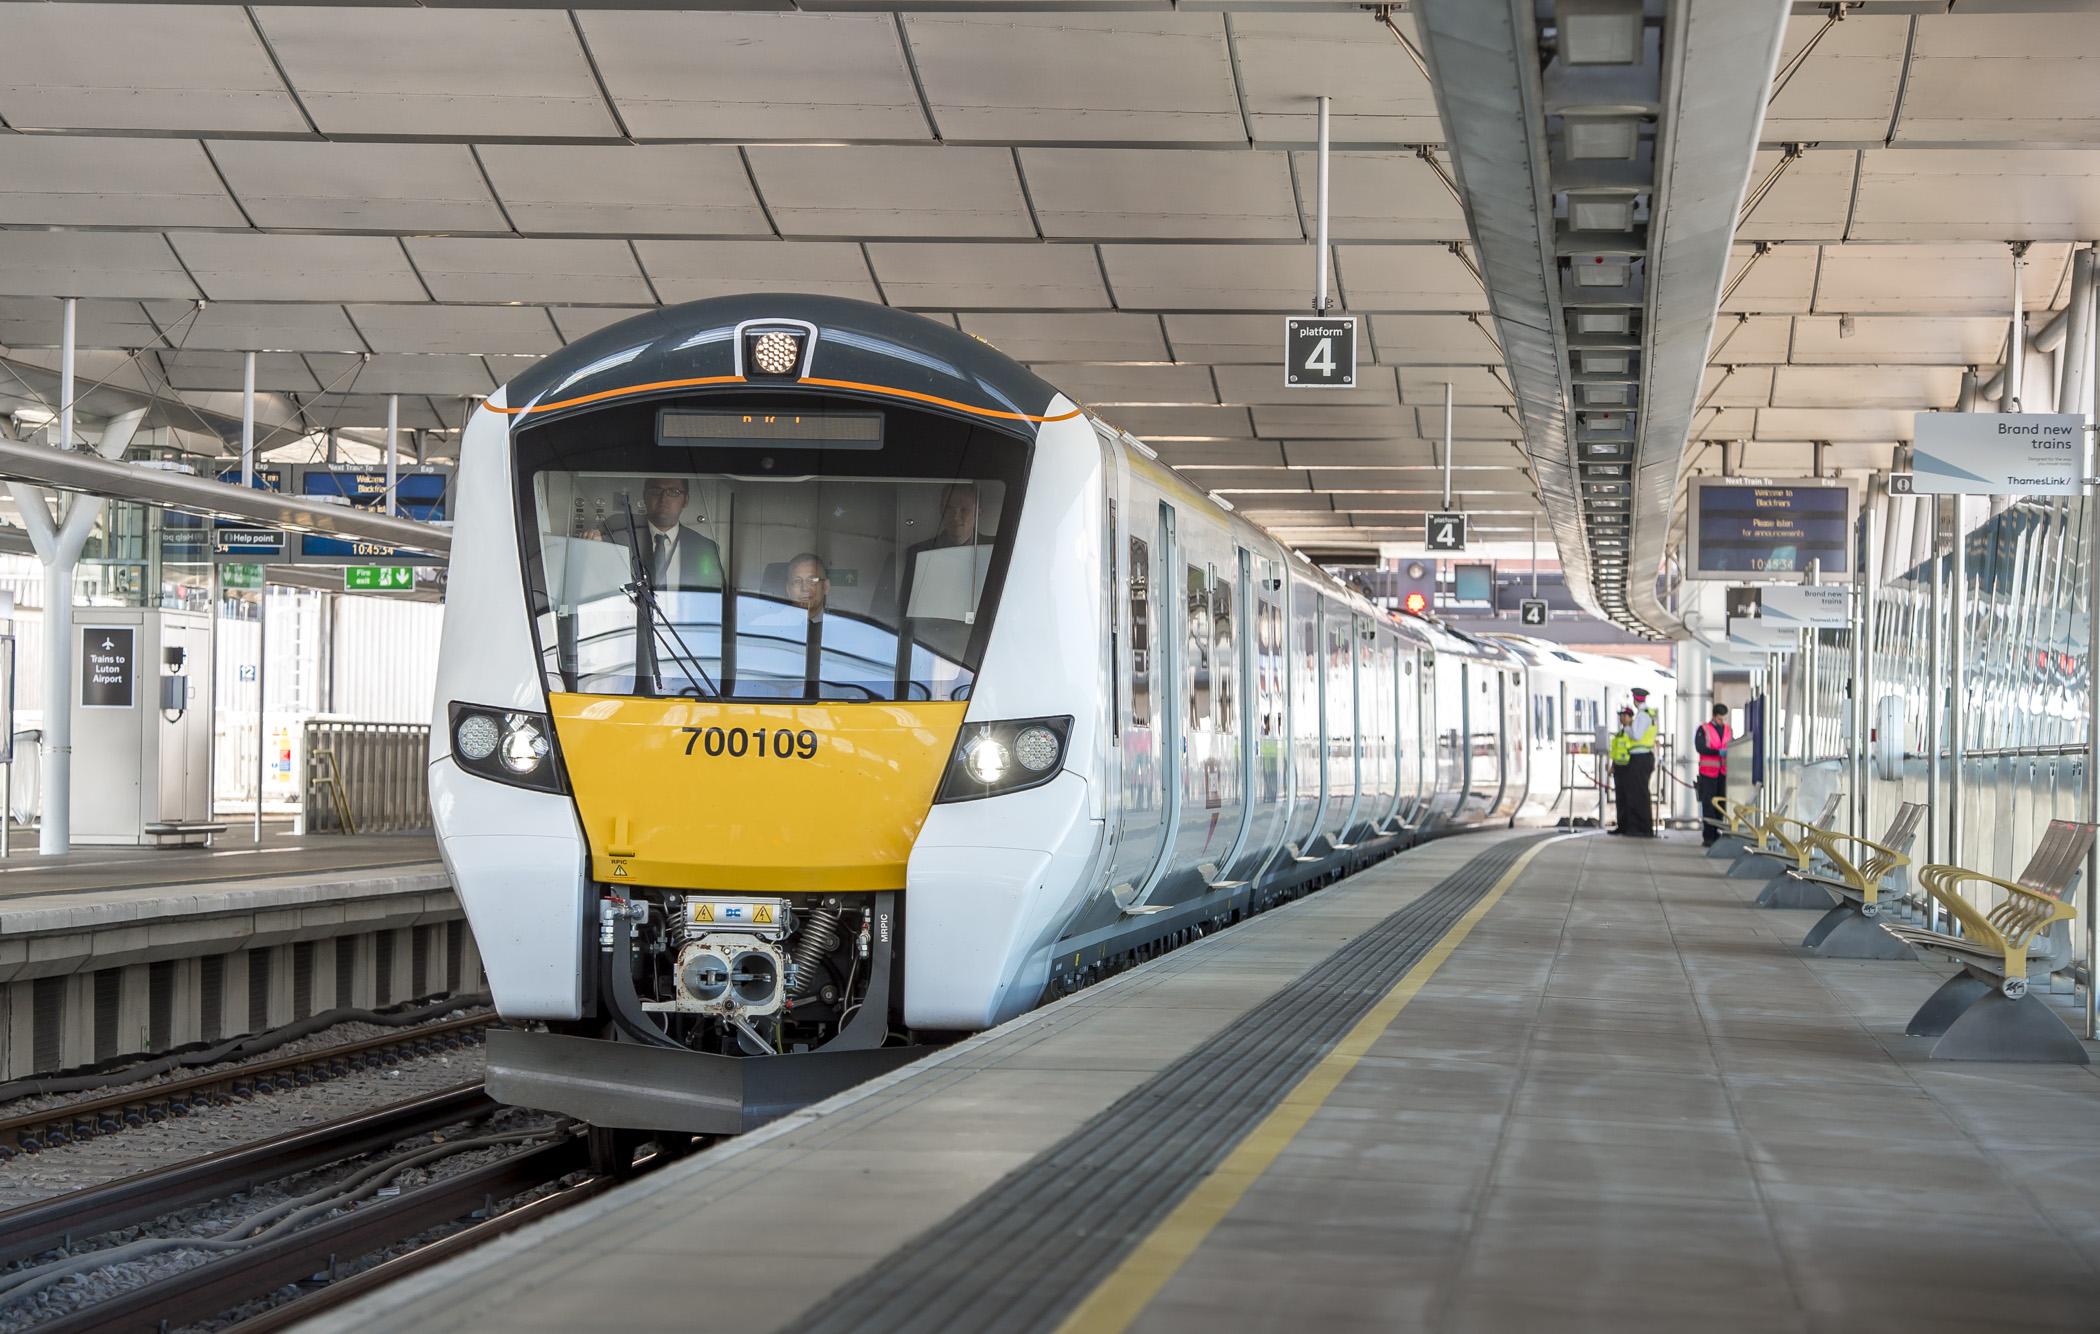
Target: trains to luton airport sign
{"points": [[1997, 454], [1769, 531], [1319, 352]]}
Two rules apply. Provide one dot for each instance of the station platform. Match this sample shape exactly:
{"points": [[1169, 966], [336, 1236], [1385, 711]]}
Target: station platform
{"points": [[1509, 1081], [111, 953]]}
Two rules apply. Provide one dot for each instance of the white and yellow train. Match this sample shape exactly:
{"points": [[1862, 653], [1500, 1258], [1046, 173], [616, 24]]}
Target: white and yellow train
{"points": [[817, 680]]}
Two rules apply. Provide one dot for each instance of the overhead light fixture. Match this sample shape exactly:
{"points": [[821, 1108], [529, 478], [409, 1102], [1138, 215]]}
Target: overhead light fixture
{"points": [[1590, 138], [1602, 321], [1601, 213], [1601, 271], [1599, 32]]}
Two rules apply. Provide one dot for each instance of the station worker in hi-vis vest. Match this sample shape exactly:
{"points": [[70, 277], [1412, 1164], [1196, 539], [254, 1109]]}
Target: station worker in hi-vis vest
{"points": [[1622, 767], [1711, 740], [1638, 818]]}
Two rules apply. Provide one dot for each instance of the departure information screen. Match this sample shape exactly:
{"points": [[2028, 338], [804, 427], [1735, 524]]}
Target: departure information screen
{"points": [[691, 428], [1770, 530]]}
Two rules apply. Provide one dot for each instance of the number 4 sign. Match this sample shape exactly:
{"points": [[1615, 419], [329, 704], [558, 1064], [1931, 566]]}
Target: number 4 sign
{"points": [[1319, 352], [1444, 532]]}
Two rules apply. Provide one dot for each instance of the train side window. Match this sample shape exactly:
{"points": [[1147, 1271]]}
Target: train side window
{"points": [[1140, 633]]}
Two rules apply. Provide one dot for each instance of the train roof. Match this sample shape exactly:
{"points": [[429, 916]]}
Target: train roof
{"points": [[860, 349]]}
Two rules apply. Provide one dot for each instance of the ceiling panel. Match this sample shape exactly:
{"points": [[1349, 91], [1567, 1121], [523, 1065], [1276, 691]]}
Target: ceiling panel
{"points": [[236, 266], [139, 67], [1847, 88], [1406, 277], [1359, 454], [1149, 386], [1288, 60], [275, 372], [1468, 424], [83, 182], [1736, 387], [693, 270], [625, 189], [1431, 340], [1471, 386], [1070, 335], [40, 322], [1724, 424], [1783, 280], [1181, 423], [756, 76], [1229, 339], [2004, 78], [1197, 455], [1909, 388], [1978, 195], [909, 190], [535, 269], [454, 375], [358, 187], [234, 326], [1926, 279], [1974, 341], [478, 73], [1265, 384], [575, 322], [112, 264], [967, 277], [1077, 78], [1333, 421], [1161, 192], [1833, 424], [1211, 277], [1809, 202], [1378, 196], [479, 330], [360, 411], [1755, 338]]}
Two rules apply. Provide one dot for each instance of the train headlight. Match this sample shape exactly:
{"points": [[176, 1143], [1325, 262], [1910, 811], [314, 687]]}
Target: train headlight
{"points": [[995, 758], [506, 746]]}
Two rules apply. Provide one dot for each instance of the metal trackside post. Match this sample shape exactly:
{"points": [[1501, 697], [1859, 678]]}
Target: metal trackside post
{"points": [[1957, 677], [262, 697], [1935, 687], [1320, 248]]}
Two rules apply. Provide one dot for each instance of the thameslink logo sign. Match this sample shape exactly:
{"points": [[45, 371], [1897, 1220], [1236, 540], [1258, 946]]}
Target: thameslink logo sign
{"points": [[1998, 454]]}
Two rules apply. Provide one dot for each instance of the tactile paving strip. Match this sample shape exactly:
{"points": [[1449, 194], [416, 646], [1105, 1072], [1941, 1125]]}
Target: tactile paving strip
{"points": [[1023, 1254]]}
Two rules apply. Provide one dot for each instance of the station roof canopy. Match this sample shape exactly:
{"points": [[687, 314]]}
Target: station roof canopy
{"points": [[419, 200]]}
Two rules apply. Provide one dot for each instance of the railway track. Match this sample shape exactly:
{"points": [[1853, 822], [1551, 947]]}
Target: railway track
{"points": [[113, 1113], [307, 1241]]}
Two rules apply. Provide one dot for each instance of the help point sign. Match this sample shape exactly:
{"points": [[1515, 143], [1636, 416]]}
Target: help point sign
{"points": [[1998, 454]]}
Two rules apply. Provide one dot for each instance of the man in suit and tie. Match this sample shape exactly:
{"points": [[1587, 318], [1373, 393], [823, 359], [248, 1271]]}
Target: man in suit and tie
{"points": [[676, 555]]}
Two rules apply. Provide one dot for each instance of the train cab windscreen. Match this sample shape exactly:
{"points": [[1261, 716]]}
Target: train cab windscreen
{"points": [[843, 556]]}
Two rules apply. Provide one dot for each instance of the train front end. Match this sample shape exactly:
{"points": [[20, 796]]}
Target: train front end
{"points": [[723, 583]]}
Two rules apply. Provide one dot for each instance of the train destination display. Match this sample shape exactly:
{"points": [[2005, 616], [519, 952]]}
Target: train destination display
{"points": [[1775, 531]]}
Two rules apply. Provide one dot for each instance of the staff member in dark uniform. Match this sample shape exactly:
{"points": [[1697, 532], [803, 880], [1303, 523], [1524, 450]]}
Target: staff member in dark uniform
{"points": [[1711, 740]]}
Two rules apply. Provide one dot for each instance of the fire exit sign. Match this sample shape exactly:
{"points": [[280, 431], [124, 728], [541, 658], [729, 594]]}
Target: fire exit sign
{"points": [[378, 578]]}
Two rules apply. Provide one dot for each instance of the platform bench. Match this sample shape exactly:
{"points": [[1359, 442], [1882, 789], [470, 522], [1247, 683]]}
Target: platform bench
{"points": [[1785, 845], [1988, 1011], [1856, 870], [1743, 821]]}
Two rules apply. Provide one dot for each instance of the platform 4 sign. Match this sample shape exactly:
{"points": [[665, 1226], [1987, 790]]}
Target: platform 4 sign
{"points": [[1319, 352], [1532, 611], [1444, 532]]}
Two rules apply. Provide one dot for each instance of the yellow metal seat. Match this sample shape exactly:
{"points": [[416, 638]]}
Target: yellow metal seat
{"points": [[1988, 1010], [1851, 873], [1858, 880]]}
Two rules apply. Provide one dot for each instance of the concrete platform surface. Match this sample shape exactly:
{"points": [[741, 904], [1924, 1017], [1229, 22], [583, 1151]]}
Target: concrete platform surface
{"points": [[1622, 1101]]}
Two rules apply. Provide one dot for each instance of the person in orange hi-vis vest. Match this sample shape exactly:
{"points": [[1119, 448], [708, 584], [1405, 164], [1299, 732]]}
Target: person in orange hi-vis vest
{"points": [[1711, 740]]}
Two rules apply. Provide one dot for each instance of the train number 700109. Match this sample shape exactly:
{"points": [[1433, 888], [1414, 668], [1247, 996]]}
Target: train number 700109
{"points": [[756, 742]]}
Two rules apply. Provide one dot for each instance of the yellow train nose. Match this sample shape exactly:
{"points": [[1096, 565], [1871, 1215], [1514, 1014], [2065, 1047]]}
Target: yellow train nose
{"points": [[704, 794]]}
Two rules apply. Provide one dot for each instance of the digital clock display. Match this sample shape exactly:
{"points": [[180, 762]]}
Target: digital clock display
{"points": [[700, 428]]}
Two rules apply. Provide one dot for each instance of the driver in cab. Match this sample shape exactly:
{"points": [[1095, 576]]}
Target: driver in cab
{"points": [[674, 553]]}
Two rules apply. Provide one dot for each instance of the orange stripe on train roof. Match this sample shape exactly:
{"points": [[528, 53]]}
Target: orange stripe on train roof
{"points": [[884, 390]]}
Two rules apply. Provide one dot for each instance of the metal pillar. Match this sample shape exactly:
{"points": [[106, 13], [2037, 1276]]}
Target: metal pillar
{"points": [[248, 419], [1957, 675], [1936, 681], [2089, 322], [262, 698], [1694, 704], [393, 453], [1863, 673], [1320, 246], [2016, 345], [1447, 445]]}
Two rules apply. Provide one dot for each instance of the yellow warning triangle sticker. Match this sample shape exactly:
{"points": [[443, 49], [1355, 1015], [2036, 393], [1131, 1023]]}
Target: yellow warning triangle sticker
{"points": [[703, 912], [762, 915]]}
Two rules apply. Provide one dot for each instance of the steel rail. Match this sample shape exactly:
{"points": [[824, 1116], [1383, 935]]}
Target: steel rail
{"points": [[54, 1223], [233, 1280], [86, 1118]]}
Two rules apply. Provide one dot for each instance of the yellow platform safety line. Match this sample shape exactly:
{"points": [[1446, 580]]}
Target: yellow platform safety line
{"points": [[1131, 1286]]}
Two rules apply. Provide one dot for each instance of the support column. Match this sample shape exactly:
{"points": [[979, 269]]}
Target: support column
{"points": [[248, 419], [393, 453]]}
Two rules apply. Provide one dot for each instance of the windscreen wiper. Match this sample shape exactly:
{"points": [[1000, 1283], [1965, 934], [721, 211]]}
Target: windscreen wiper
{"points": [[643, 593]]}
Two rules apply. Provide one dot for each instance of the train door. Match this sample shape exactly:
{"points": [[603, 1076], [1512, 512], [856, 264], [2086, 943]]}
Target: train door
{"points": [[1242, 716], [1517, 745], [1308, 730], [1338, 630], [1484, 720], [1223, 781], [1269, 793], [1209, 814], [1410, 736], [1167, 700], [1142, 813]]}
